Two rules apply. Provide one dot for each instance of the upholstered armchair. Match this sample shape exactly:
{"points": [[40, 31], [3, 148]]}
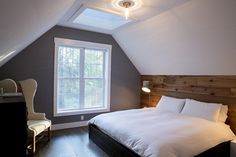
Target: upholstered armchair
{"points": [[37, 122]]}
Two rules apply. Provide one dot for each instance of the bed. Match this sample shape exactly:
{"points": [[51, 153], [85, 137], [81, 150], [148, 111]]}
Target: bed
{"points": [[149, 132]]}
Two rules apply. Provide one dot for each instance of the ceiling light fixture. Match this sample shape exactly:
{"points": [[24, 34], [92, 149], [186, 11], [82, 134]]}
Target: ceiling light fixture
{"points": [[127, 6]]}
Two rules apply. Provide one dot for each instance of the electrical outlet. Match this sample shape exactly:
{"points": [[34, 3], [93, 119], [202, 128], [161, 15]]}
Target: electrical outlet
{"points": [[81, 117]]}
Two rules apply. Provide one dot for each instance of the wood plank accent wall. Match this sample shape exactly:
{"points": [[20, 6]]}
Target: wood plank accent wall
{"points": [[220, 89]]}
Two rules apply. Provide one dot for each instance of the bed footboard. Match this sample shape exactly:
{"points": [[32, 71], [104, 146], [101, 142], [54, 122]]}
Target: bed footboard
{"points": [[108, 144], [221, 150]]}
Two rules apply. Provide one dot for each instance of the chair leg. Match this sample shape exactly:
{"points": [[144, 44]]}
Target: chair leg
{"points": [[49, 133], [33, 144]]}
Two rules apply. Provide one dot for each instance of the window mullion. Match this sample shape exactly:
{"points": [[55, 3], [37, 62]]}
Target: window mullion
{"points": [[82, 82], [104, 77]]}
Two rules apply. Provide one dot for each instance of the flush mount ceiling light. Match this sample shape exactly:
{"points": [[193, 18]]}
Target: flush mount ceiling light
{"points": [[127, 6]]}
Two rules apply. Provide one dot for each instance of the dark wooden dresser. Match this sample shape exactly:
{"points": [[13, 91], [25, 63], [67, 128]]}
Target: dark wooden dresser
{"points": [[13, 125]]}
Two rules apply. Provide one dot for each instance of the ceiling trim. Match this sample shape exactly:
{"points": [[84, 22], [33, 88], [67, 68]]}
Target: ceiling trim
{"points": [[82, 7]]}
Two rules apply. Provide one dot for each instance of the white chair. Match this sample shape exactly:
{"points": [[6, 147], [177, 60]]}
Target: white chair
{"points": [[37, 122]]}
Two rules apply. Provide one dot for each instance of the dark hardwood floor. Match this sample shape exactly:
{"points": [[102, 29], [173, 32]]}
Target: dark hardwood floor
{"points": [[69, 143]]}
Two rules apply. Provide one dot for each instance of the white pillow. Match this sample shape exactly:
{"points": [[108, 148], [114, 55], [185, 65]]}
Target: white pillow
{"points": [[209, 111], [170, 104], [223, 114]]}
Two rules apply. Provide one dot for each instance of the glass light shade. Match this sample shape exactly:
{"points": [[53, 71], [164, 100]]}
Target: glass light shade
{"points": [[126, 13], [147, 90], [146, 87]]}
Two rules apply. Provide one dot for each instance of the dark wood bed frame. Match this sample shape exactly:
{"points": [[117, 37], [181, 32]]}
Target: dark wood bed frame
{"points": [[116, 149]]}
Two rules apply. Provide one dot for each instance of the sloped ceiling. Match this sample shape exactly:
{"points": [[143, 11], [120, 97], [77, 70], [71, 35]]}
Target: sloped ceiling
{"points": [[195, 38], [23, 21], [170, 37]]}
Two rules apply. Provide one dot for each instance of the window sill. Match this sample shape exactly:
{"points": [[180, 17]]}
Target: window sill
{"points": [[79, 112]]}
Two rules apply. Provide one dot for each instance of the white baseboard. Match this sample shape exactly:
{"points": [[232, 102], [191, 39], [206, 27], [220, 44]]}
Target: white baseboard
{"points": [[69, 125]]}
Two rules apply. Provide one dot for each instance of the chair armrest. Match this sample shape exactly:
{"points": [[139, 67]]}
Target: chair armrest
{"points": [[37, 116]]}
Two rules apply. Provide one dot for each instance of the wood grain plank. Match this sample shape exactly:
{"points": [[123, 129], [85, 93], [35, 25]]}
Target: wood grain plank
{"points": [[217, 82], [226, 92]]}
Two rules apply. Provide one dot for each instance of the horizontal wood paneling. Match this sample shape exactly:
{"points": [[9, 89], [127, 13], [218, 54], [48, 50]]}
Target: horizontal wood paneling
{"points": [[220, 89]]}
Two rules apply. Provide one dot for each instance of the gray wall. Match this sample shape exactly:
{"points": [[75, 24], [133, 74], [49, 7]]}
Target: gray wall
{"points": [[36, 61]]}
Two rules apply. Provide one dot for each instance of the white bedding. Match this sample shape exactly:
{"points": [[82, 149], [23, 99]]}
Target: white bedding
{"points": [[151, 133]]}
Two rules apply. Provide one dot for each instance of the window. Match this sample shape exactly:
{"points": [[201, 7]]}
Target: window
{"points": [[81, 77]]}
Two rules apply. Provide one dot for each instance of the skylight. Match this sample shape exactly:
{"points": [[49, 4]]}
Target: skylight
{"points": [[100, 19]]}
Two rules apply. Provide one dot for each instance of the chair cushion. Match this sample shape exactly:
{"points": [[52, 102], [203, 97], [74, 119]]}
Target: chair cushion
{"points": [[38, 126]]}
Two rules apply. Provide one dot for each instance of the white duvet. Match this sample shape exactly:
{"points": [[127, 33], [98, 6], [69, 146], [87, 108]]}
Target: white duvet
{"points": [[151, 133]]}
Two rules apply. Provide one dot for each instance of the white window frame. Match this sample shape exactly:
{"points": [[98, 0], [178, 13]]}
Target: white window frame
{"points": [[91, 45]]}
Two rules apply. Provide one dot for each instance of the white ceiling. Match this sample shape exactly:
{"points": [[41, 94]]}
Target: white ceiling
{"points": [[182, 37], [149, 8], [195, 38], [23, 21]]}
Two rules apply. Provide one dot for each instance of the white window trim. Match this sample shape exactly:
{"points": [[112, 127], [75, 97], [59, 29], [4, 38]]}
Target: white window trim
{"points": [[77, 43]]}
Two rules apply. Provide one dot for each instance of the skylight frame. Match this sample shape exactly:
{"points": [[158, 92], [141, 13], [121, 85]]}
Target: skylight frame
{"points": [[93, 28]]}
